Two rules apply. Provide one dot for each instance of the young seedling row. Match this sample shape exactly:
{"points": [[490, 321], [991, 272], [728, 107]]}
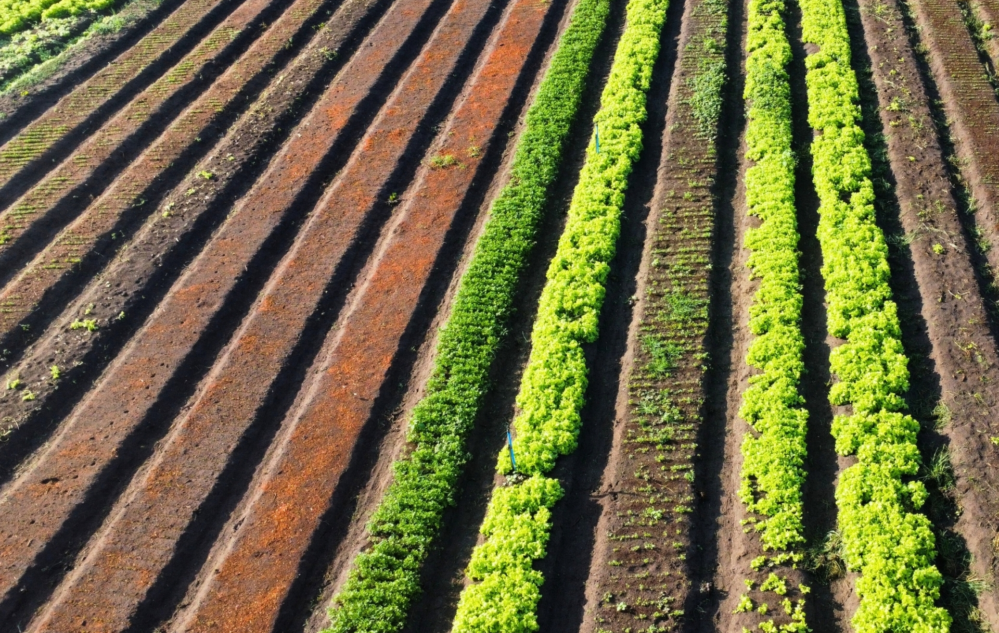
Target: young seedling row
{"points": [[709, 284]]}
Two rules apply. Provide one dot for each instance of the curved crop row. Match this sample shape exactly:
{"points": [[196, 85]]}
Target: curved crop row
{"points": [[885, 538], [385, 578], [517, 522], [772, 473]]}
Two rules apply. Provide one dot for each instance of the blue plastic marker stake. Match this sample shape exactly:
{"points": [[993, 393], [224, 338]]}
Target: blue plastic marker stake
{"points": [[509, 442], [596, 130]]}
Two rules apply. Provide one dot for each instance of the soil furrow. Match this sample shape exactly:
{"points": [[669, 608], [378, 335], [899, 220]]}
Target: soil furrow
{"points": [[80, 62], [970, 104], [31, 221], [161, 358], [639, 571], [301, 480], [987, 13], [136, 279], [174, 488], [77, 253], [107, 91], [963, 350]]}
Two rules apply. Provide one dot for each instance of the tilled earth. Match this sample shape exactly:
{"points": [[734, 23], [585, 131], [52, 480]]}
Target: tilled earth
{"points": [[227, 247]]}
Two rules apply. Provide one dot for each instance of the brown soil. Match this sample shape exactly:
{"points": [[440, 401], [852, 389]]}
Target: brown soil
{"points": [[184, 332], [299, 482], [35, 217], [970, 104], [962, 353], [246, 376], [138, 276], [100, 94], [987, 11], [80, 249], [434, 607], [638, 575]]}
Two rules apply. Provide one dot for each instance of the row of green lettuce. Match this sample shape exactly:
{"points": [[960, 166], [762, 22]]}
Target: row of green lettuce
{"points": [[885, 538], [506, 588], [773, 467], [385, 576], [19, 15]]}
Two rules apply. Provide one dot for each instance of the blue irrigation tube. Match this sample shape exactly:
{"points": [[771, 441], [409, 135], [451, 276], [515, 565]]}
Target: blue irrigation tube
{"points": [[509, 443], [596, 131]]}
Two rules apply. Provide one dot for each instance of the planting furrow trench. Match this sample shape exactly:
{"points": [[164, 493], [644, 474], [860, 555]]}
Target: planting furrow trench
{"points": [[970, 104], [639, 573], [31, 221], [78, 251], [240, 383], [103, 93], [301, 479], [505, 587], [447, 406], [119, 299], [963, 348], [98, 439]]}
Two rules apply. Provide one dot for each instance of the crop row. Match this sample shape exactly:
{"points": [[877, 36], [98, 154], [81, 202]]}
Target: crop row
{"points": [[644, 580], [773, 466], [40, 136], [885, 538], [385, 577], [517, 521], [17, 15]]}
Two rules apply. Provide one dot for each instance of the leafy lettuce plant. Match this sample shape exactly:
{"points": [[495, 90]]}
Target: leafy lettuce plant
{"points": [[885, 537], [505, 594], [385, 577], [773, 466]]}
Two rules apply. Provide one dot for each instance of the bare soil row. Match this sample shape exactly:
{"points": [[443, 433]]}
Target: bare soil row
{"points": [[225, 254], [331, 259]]}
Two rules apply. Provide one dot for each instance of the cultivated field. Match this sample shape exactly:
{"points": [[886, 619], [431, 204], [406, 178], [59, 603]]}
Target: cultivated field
{"points": [[499, 316]]}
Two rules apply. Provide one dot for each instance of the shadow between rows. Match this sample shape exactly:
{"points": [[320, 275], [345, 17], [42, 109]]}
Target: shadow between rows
{"points": [[959, 591], [60, 552]]}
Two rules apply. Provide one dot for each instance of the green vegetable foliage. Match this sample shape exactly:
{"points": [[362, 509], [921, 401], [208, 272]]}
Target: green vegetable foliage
{"points": [[773, 469], [18, 15], [385, 577], [885, 538], [505, 594]]}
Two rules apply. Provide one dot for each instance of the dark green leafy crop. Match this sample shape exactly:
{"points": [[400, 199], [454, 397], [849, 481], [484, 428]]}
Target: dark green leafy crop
{"points": [[385, 578], [505, 593]]}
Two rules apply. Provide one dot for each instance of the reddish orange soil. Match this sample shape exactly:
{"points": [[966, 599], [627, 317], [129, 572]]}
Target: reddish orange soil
{"points": [[251, 575], [242, 382], [89, 441]]}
